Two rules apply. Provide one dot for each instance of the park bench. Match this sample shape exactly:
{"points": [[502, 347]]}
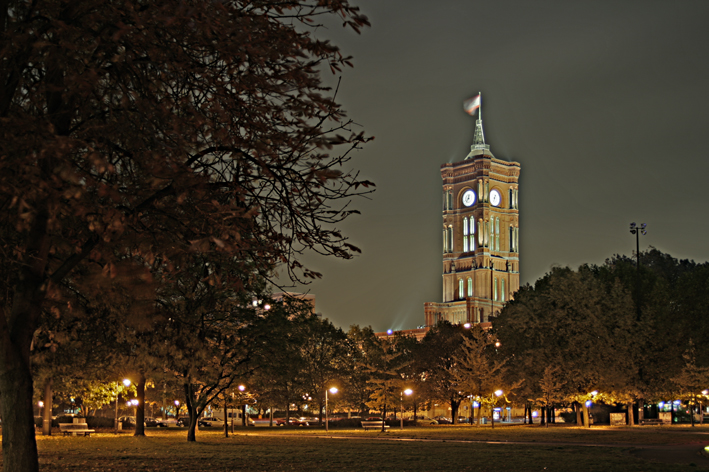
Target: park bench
{"points": [[652, 421], [367, 425], [75, 429]]}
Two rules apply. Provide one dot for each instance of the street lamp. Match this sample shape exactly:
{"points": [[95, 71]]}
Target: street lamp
{"points": [[332, 390], [637, 231], [498, 394], [406, 392]]}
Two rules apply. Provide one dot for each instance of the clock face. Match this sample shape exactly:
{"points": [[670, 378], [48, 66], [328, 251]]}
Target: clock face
{"points": [[495, 197], [469, 198]]}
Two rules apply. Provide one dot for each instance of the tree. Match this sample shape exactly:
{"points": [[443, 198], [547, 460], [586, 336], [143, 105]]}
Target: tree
{"points": [[551, 385], [147, 130], [436, 364]]}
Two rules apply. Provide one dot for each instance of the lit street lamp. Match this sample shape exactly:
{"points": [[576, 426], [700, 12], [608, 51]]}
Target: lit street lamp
{"points": [[496, 394], [126, 383], [406, 392], [332, 390]]}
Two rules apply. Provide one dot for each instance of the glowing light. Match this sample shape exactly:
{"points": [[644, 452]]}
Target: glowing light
{"points": [[594, 393], [40, 404], [467, 325], [177, 402], [408, 391], [498, 393], [334, 390], [661, 404], [535, 414], [267, 307], [126, 382], [589, 403], [476, 404], [241, 388], [389, 332]]}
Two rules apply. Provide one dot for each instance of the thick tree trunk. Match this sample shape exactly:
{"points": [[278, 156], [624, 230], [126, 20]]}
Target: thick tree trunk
{"points": [[243, 415], [19, 448], [454, 411], [542, 419], [140, 409], [530, 413], [48, 399], [631, 416], [579, 417], [586, 416]]}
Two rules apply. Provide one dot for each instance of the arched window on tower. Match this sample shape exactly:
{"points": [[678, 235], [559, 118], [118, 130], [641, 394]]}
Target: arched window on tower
{"points": [[472, 233], [497, 234], [494, 288], [461, 291], [465, 235], [449, 232], [470, 287], [502, 290]]}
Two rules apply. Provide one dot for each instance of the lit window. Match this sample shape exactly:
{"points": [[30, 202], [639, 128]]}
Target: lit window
{"points": [[465, 235], [472, 234], [461, 292], [495, 289], [502, 290], [497, 234], [470, 287]]}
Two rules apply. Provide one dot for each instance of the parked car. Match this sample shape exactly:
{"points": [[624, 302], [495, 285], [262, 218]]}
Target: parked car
{"points": [[210, 422], [443, 420], [183, 421], [155, 422], [128, 421], [425, 421]]}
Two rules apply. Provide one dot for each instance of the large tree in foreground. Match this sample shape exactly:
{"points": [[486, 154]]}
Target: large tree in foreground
{"points": [[138, 130]]}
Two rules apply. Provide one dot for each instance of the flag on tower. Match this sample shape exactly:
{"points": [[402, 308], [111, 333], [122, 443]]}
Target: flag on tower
{"points": [[472, 104]]}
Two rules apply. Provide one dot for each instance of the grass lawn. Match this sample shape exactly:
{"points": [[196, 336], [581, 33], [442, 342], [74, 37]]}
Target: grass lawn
{"points": [[419, 449]]}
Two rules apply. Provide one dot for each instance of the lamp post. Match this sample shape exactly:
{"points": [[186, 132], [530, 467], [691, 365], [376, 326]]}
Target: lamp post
{"points": [[126, 383], [406, 392], [637, 231], [496, 394], [332, 390]]}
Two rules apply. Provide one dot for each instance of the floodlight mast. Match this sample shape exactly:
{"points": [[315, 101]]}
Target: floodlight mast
{"points": [[637, 231]]}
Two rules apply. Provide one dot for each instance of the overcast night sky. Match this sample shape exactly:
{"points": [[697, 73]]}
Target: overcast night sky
{"points": [[604, 104]]}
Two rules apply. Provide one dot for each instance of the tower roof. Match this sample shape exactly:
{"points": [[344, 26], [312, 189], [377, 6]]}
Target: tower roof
{"points": [[479, 147]]}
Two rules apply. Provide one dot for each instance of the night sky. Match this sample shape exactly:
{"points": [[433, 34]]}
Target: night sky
{"points": [[604, 104]]}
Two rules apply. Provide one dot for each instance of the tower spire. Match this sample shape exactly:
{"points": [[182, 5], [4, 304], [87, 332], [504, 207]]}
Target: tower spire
{"points": [[479, 138]]}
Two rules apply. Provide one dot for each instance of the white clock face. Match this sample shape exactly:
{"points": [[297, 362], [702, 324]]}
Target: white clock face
{"points": [[469, 198], [495, 197]]}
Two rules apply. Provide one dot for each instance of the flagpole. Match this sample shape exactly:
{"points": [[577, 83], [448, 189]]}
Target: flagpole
{"points": [[480, 108]]}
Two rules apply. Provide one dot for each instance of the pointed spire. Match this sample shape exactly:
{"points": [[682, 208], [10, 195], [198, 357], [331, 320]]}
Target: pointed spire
{"points": [[479, 138]]}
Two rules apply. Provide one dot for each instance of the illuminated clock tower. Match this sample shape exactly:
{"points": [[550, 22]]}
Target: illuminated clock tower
{"points": [[480, 235]]}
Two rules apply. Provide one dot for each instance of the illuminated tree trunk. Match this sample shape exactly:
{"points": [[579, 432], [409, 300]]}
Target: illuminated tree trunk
{"points": [[140, 409], [47, 417], [631, 415]]}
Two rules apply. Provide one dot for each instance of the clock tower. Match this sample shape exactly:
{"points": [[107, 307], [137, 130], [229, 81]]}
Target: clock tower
{"points": [[480, 235]]}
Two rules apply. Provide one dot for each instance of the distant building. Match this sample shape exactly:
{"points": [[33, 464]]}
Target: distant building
{"points": [[418, 333], [480, 236]]}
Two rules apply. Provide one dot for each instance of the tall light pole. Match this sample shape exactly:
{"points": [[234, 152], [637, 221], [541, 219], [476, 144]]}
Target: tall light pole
{"points": [[406, 392], [332, 390], [126, 383], [637, 231], [496, 394]]}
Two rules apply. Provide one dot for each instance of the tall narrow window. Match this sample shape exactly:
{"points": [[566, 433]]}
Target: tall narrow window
{"points": [[497, 234], [512, 239], [502, 290], [491, 241], [461, 292], [445, 241], [494, 288], [465, 235], [449, 232], [470, 287], [472, 233]]}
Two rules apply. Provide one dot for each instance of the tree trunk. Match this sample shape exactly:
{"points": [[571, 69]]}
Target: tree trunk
{"points": [[226, 419], [586, 417], [631, 416], [579, 418], [384, 417], [454, 411], [542, 419], [287, 414], [48, 399], [19, 448], [140, 409], [243, 415], [530, 413]]}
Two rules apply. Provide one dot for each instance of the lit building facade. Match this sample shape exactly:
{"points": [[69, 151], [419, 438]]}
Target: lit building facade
{"points": [[480, 236]]}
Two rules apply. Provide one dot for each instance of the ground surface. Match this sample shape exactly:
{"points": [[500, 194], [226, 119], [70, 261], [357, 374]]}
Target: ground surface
{"points": [[448, 448]]}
